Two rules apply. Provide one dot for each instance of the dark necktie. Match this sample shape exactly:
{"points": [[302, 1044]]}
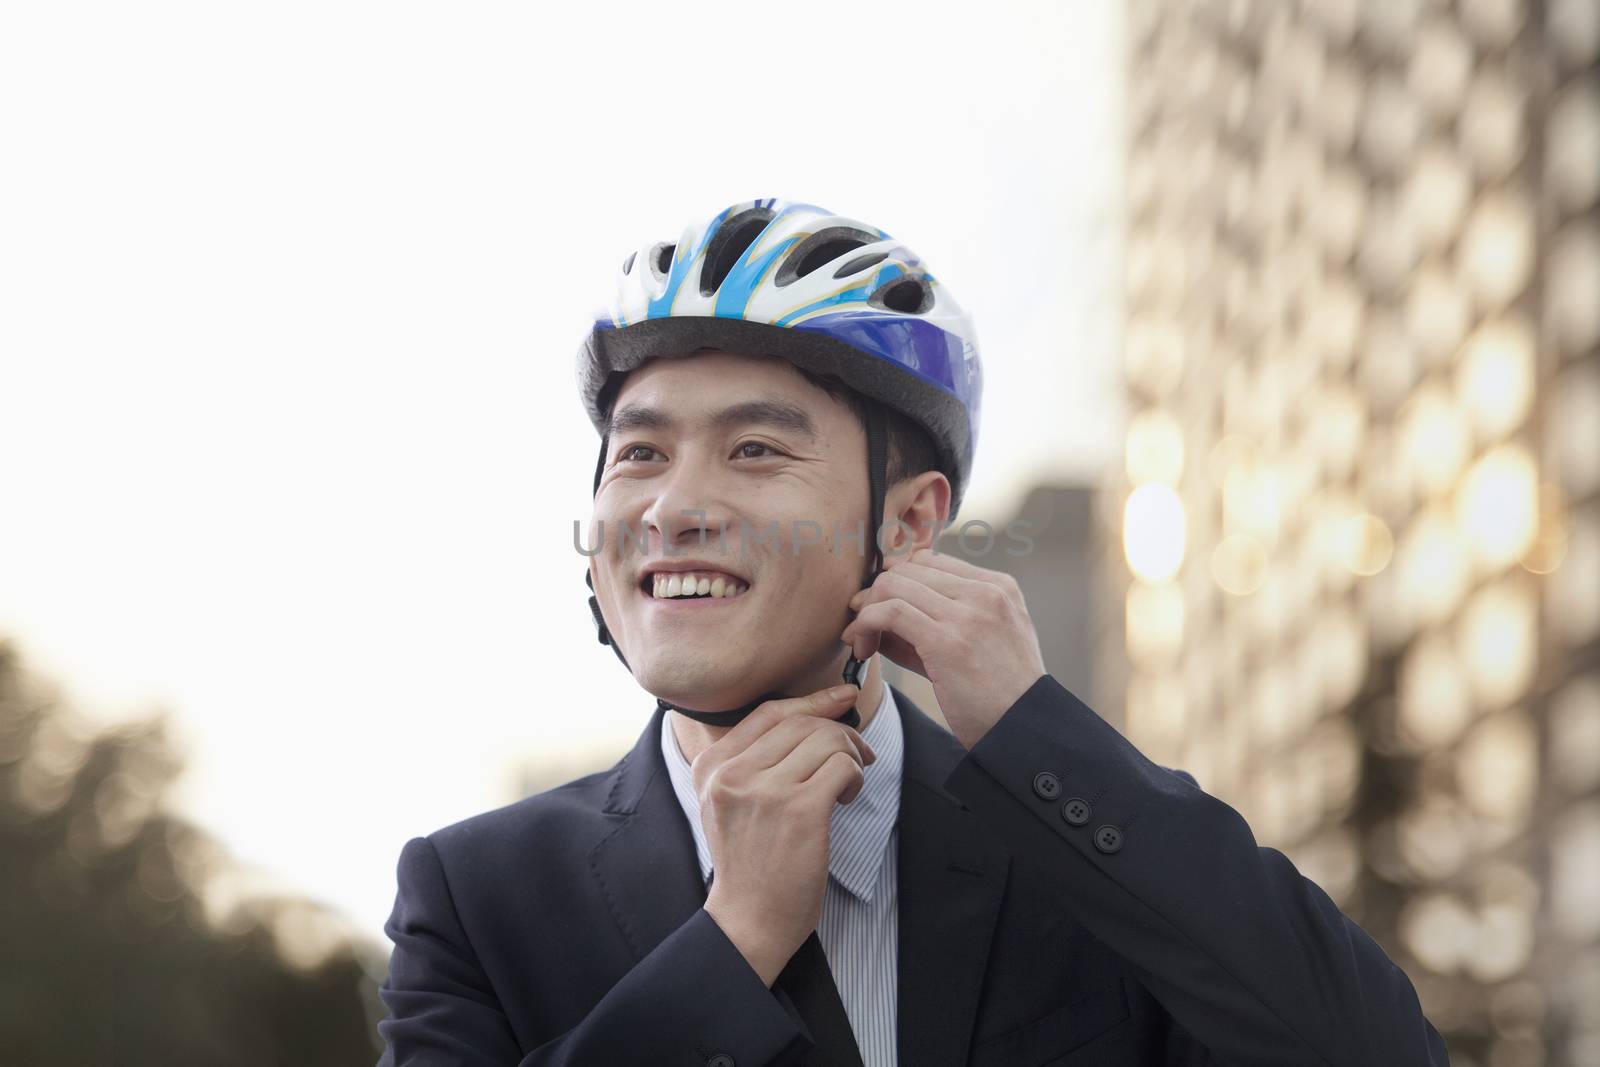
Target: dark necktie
{"points": [[808, 982]]}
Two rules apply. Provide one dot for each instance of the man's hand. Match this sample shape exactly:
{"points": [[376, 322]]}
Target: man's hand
{"points": [[767, 790], [962, 627]]}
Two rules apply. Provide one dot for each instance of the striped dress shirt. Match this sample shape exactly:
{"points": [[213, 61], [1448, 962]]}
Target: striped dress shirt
{"points": [[859, 906]]}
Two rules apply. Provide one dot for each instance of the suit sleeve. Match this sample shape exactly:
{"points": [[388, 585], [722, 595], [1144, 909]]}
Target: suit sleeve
{"points": [[693, 998], [1247, 954]]}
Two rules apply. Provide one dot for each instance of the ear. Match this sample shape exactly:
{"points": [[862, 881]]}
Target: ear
{"points": [[922, 506]]}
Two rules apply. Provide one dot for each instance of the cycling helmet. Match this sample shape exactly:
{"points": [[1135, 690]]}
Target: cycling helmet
{"points": [[832, 295]]}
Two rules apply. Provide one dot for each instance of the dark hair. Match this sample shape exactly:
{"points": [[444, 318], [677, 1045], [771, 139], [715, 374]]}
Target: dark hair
{"points": [[911, 448]]}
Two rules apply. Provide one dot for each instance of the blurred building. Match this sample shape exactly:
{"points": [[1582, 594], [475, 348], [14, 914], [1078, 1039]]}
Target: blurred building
{"points": [[1360, 530]]}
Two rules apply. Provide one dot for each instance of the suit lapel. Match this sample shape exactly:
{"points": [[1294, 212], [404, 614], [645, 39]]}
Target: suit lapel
{"points": [[645, 866], [952, 878]]}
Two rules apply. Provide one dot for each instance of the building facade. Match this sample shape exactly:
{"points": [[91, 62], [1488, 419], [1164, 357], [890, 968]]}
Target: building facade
{"points": [[1358, 524]]}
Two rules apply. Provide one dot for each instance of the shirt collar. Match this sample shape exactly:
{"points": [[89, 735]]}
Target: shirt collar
{"points": [[859, 835]]}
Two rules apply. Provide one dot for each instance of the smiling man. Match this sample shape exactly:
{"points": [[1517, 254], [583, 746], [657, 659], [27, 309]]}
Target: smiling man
{"points": [[795, 864]]}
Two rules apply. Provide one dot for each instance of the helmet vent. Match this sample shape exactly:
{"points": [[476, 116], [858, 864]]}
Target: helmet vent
{"points": [[820, 249], [861, 263], [661, 259], [909, 296], [731, 240], [627, 264]]}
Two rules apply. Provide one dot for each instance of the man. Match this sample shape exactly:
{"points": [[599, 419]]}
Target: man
{"points": [[785, 870]]}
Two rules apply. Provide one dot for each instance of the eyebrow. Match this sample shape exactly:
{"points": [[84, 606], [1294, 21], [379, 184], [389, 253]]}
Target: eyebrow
{"points": [[778, 414]]}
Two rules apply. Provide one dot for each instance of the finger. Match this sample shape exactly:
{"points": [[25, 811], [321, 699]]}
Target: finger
{"points": [[771, 747], [904, 619], [816, 749], [952, 585], [944, 583], [828, 703], [978, 587], [960, 568], [838, 780], [893, 584]]}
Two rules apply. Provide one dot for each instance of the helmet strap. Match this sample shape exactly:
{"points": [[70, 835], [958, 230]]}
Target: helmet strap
{"points": [[854, 669]]}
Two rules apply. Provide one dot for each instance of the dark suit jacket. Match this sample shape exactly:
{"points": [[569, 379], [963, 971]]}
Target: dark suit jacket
{"points": [[568, 928]]}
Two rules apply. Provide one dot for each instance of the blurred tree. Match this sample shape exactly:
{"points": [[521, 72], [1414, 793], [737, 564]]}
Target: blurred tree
{"points": [[107, 953]]}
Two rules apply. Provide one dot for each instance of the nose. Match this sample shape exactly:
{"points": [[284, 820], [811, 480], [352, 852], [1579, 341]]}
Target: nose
{"points": [[689, 510]]}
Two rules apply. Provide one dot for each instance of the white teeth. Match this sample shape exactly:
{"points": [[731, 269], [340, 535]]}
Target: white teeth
{"points": [[664, 586]]}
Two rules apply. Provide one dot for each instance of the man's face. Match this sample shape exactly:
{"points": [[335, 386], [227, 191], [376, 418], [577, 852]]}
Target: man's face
{"points": [[753, 445]]}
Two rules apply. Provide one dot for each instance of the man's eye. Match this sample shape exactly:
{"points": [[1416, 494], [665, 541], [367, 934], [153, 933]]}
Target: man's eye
{"points": [[631, 452], [740, 451]]}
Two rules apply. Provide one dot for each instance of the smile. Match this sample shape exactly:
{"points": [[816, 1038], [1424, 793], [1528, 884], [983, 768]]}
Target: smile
{"points": [[692, 585]]}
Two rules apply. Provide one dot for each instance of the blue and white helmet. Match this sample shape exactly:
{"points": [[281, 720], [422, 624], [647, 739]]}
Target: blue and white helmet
{"points": [[831, 294]]}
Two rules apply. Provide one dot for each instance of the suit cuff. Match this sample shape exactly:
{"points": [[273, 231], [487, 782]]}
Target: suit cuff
{"points": [[1079, 777], [752, 1023]]}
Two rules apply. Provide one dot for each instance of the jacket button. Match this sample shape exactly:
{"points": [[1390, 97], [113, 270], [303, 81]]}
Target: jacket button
{"points": [[1046, 785], [1108, 838], [1076, 811], [721, 1059]]}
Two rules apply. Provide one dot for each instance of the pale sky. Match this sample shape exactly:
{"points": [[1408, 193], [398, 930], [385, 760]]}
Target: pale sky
{"points": [[289, 299]]}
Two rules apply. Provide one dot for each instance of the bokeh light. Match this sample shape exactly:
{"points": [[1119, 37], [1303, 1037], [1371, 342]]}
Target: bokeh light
{"points": [[1494, 380], [1154, 448], [1155, 623], [1153, 532], [1498, 505]]}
